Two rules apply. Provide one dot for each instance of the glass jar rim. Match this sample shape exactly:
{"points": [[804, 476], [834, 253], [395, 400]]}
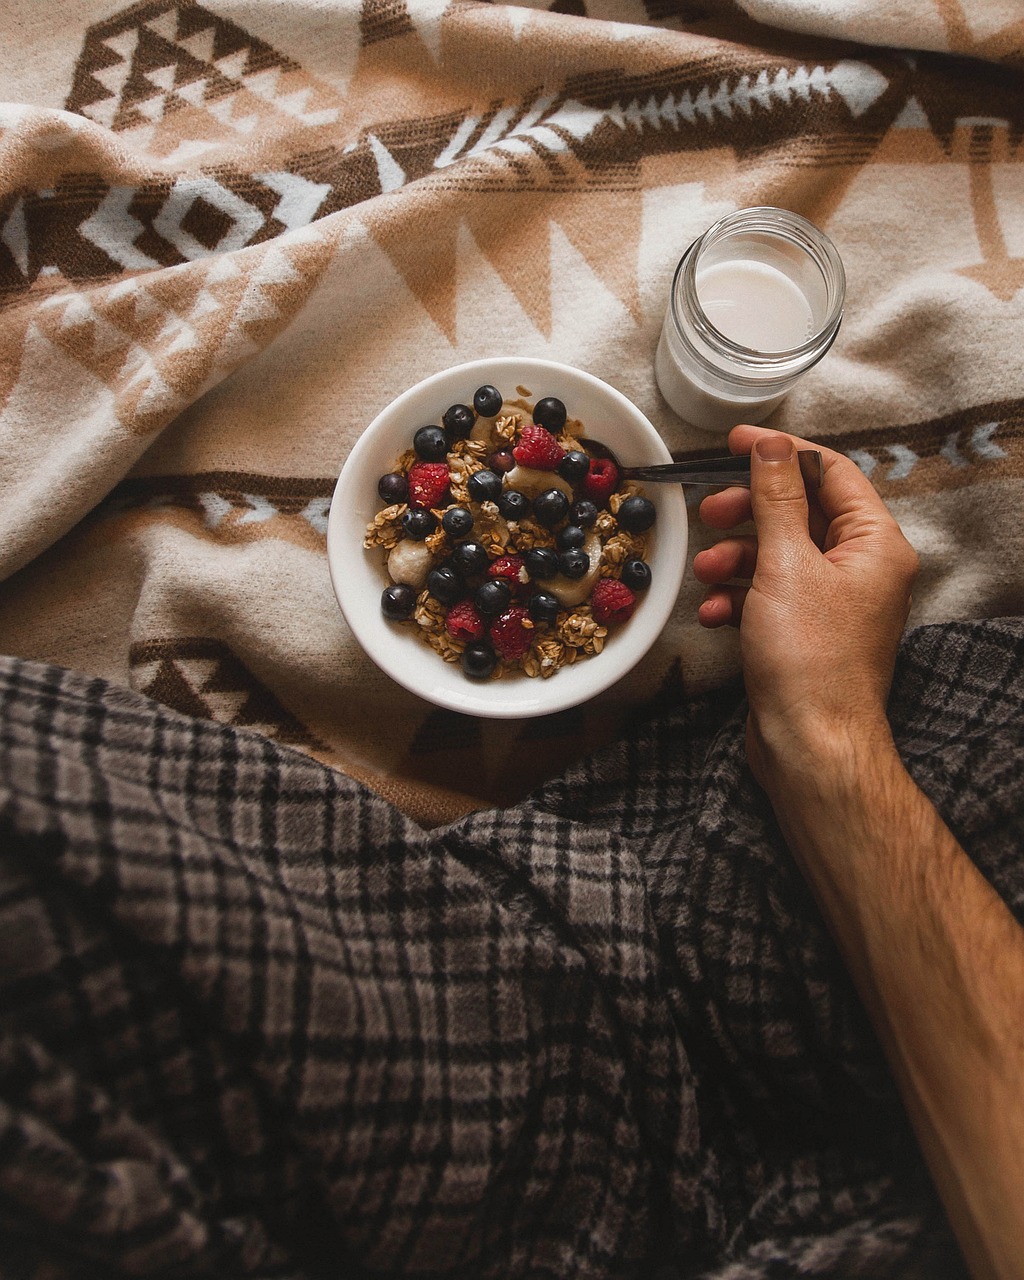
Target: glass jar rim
{"points": [[773, 221]]}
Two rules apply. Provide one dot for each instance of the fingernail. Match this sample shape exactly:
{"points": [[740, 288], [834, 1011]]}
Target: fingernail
{"points": [[774, 449]]}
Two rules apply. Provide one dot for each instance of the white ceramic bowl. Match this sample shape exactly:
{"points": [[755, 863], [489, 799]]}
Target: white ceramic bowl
{"points": [[359, 576]]}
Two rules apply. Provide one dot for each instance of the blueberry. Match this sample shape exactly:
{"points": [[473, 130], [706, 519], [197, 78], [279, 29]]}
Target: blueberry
{"points": [[493, 597], [574, 466], [549, 413], [502, 461], [544, 607], [574, 563], [636, 514], [487, 401], [550, 507], [457, 522], [478, 660], [569, 538], [583, 513], [469, 558], [393, 487], [444, 584], [541, 562], [636, 574], [514, 505], [397, 601], [458, 420], [484, 486], [431, 444], [419, 523]]}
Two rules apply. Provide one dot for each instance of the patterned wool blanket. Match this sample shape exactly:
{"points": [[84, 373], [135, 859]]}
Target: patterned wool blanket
{"points": [[232, 231], [255, 1022]]}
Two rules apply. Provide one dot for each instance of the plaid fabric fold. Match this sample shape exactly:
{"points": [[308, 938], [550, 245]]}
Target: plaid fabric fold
{"points": [[256, 1022]]}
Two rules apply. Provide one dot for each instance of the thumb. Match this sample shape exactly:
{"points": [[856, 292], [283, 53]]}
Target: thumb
{"points": [[778, 500]]}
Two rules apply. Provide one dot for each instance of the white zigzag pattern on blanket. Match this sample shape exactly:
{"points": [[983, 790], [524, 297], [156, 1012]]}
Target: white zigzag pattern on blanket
{"points": [[511, 132], [251, 509], [856, 84], [904, 459]]}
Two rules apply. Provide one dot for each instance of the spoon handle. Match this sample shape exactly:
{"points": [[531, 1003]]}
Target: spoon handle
{"points": [[732, 469]]}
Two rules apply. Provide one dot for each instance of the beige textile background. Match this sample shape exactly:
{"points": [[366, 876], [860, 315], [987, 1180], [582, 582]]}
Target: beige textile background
{"points": [[231, 232]]}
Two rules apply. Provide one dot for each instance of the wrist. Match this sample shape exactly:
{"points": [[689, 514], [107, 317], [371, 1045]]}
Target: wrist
{"points": [[836, 798], [829, 758]]}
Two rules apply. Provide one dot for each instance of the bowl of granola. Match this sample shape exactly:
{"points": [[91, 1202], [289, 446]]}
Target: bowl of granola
{"points": [[486, 558]]}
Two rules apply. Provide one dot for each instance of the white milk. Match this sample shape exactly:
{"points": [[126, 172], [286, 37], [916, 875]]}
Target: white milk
{"points": [[754, 304], [710, 410], [772, 287]]}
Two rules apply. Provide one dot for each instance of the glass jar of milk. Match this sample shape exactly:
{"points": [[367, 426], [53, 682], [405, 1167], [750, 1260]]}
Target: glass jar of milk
{"points": [[755, 302]]}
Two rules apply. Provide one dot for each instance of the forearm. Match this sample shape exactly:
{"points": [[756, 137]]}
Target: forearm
{"points": [[939, 963]]}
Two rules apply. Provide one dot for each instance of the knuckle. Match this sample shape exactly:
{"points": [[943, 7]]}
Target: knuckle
{"points": [[781, 496]]}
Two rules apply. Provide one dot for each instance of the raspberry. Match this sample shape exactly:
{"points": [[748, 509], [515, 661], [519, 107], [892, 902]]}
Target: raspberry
{"points": [[611, 601], [463, 622], [601, 479], [538, 448], [428, 484], [512, 632], [510, 569]]}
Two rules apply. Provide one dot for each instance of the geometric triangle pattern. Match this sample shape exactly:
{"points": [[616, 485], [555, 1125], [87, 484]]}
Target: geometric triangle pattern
{"points": [[176, 80], [200, 676], [157, 340], [179, 83]]}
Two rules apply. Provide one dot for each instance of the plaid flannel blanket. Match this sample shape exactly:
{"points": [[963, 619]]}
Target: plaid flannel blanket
{"points": [[232, 231], [255, 1022]]}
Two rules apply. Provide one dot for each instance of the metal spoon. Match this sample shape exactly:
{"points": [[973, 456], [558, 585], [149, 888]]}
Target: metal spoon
{"points": [[724, 470]]}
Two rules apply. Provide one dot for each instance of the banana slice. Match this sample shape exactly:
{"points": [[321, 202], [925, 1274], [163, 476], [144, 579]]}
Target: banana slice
{"points": [[410, 562], [573, 591], [482, 429], [531, 481]]}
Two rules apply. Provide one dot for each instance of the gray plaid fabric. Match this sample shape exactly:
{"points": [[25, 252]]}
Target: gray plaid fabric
{"points": [[253, 1022]]}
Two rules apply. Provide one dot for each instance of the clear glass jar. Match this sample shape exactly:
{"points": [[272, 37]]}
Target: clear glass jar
{"points": [[755, 302]]}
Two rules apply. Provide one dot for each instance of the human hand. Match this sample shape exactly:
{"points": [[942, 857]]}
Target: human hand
{"points": [[821, 601]]}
